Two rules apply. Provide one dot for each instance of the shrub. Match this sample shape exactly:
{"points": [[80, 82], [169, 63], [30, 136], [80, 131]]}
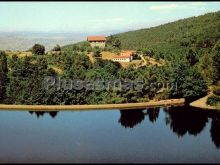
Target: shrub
{"points": [[213, 100], [38, 49], [57, 48], [97, 52], [216, 90]]}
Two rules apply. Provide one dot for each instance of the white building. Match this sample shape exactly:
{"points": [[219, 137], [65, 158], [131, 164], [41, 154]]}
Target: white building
{"points": [[124, 57], [121, 59]]}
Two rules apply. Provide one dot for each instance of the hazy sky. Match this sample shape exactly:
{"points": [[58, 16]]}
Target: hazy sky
{"points": [[95, 16]]}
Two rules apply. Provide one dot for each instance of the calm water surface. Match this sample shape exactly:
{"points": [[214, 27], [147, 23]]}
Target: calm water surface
{"points": [[177, 134]]}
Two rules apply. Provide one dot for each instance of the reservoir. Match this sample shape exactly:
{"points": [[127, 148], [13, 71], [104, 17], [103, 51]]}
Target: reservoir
{"points": [[153, 135]]}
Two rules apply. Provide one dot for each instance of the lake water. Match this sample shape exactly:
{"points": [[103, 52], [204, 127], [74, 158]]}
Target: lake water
{"points": [[177, 134]]}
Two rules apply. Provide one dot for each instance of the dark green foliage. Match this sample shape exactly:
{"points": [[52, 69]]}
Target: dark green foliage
{"points": [[3, 75], [26, 80], [85, 46], [57, 48], [113, 44], [192, 57], [190, 83], [148, 52], [216, 90], [96, 52], [110, 40], [216, 61], [117, 44], [136, 56], [213, 100], [207, 69], [75, 48], [81, 46], [200, 32], [26, 77], [38, 49]]}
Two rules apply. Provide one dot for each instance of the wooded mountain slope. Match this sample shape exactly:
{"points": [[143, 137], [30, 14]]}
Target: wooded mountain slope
{"points": [[199, 32]]}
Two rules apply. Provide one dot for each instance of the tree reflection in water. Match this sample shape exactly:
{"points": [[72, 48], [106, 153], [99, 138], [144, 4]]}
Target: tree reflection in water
{"points": [[181, 120], [215, 129], [53, 114], [153, 114], [132, 117], [184, 120]]}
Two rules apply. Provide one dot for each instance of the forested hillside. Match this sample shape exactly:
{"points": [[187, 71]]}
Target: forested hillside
{"points": [[193, 40], [202, 32], [195, 32], [190, 49]]}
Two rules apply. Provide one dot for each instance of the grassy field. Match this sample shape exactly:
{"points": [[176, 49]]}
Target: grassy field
{"points": [[20, 54], [107, 55]]}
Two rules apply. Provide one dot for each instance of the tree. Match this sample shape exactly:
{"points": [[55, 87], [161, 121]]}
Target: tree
{"points": [[190, 83], [148, 52], [75, 48], [192, 57], [117, 44], [207, 68], [217, 46], [38, 49], [110, 40], [96, 52], [84, 46], [26, 80], [216, 60], [130, 118], [157, 56], [214, 131], [3, 75], [57, 48]]}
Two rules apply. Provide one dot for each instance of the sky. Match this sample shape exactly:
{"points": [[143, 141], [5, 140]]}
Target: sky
{"points": [[95, 16]]}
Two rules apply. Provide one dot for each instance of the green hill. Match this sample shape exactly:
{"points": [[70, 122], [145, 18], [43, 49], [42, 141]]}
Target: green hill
{"points": [[199, 32]]}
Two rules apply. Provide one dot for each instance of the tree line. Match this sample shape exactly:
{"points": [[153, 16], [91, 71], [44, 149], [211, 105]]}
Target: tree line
{"points": [[21, 78]]}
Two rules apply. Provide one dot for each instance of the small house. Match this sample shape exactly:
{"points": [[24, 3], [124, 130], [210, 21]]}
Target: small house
{"points": [[98, 41], [124, 57]]}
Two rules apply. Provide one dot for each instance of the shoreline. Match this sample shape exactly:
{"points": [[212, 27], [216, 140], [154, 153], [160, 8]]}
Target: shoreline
{"points": [[201, 103], [149, 104]]}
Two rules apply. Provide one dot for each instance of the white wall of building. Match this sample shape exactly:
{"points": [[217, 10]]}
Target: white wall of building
{"points": [[100, 44], [122, 59]]}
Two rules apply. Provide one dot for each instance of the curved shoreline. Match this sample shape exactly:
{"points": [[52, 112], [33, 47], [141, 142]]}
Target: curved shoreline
{"points": [[201, 103], [94, 107]]}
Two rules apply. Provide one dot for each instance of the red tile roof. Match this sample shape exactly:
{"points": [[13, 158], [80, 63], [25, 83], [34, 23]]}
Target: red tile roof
{"points": [[96, 38], [121, 56], [126, 54]]}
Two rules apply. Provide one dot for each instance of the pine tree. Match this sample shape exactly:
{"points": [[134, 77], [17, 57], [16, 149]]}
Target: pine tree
{"points": [[3, 75]]}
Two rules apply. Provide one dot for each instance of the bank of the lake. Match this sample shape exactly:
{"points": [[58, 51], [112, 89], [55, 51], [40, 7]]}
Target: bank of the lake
{"points": [[170, 102], [201, 103]]}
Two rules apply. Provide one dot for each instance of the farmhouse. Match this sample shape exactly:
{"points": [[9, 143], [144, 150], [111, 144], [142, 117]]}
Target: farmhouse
{"points": [[98, 41], [124, 57]]}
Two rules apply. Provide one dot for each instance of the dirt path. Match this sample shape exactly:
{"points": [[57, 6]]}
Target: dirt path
{"points": [[201, 103], [145, 62], [94, 107]]}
